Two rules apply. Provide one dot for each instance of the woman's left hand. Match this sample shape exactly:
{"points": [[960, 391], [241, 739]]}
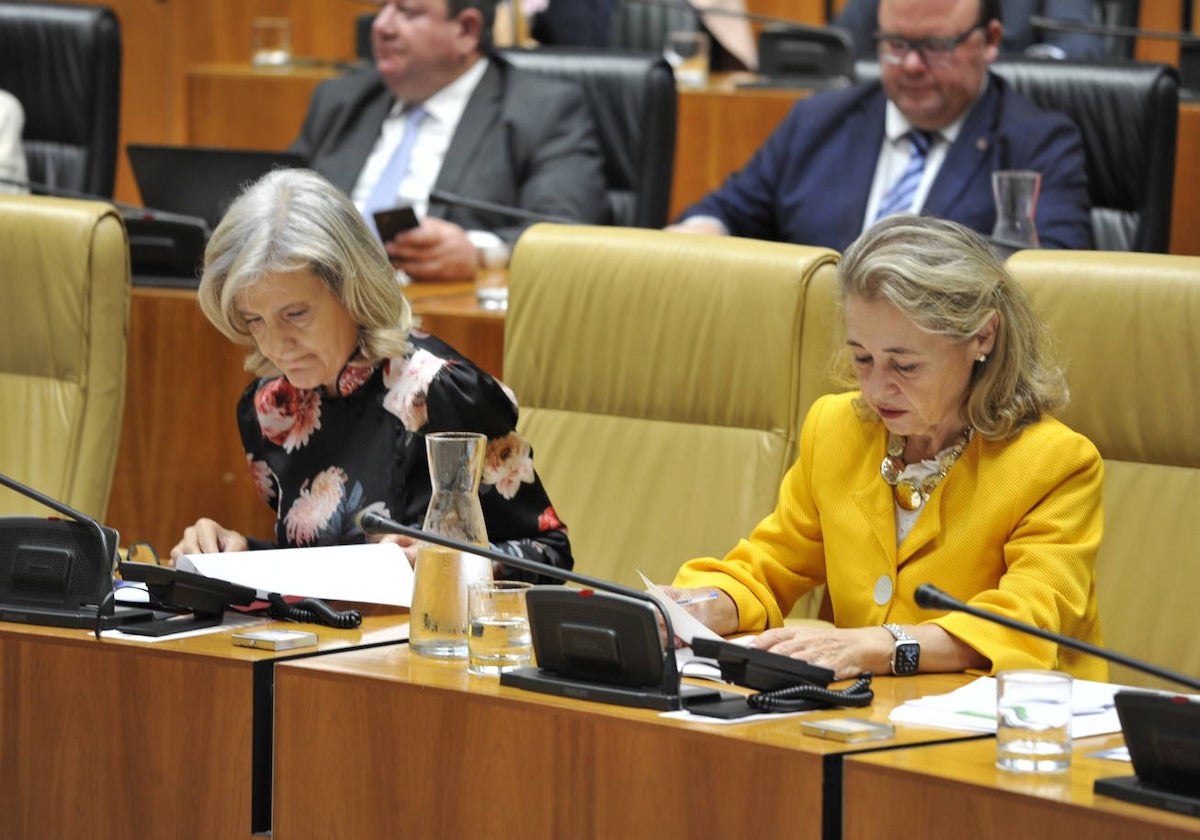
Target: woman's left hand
{"points": [[848, 652]]}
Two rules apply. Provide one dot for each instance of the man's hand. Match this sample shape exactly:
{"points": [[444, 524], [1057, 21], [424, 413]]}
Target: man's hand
{"points": [[436, 250]]}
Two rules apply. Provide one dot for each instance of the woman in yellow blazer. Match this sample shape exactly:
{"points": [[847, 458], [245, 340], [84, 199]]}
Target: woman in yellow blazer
{"points": [[943, 467]]}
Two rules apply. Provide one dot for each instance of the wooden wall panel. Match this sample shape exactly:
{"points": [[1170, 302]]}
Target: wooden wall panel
{"points": [[801, 11], [1166, 15], [266, 113]]}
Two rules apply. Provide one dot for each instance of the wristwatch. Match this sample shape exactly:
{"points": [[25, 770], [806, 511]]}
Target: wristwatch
{"points": [[906, 655]]}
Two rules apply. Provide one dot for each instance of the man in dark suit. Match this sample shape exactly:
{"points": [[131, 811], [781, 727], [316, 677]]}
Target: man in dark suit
{"points": [[463, 122], [1020, 38], [832, 166]]}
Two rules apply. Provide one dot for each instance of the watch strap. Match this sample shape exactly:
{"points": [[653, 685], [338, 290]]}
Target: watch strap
{"points": [[906, 653]]}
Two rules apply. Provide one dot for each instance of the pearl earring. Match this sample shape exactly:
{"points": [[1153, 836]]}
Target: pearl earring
{"points": [[982, 357]]}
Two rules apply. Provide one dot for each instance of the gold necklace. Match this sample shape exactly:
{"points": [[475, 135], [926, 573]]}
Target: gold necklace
{"points": [[912, 493]]}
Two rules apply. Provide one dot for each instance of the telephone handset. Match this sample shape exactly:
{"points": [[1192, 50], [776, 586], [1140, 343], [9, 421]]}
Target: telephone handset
{"points": [[785, 684]]}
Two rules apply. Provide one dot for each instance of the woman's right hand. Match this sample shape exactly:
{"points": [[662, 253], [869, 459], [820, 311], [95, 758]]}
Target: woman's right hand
{"points": [[718, 614], [208, 537]]}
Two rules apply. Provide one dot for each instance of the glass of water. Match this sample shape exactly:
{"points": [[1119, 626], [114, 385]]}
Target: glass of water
{"points": [[687, 53], [1033, 721], [498, 637], [491, 278]]}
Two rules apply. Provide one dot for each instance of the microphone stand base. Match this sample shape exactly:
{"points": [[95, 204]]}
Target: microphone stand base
{"points": [[639, 697], [1131, 789]]}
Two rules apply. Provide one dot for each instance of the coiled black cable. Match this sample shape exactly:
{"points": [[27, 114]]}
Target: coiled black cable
{"points": [[312, 611], [793, 698]]}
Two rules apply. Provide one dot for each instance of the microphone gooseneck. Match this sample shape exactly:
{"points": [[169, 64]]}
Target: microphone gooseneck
{"points": [[128, 211], [1054, 25], [929, 596], [454, 200], [373, 523]]}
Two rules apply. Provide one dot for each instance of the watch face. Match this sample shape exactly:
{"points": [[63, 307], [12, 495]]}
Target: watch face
{"points": [[906, 656]]}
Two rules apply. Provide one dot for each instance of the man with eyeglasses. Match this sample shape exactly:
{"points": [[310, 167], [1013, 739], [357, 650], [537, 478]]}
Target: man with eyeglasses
{"points": [[924, 138], [438, 111], [1021, 38]]}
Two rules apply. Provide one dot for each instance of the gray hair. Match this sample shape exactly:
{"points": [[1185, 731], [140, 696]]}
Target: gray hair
{"points": [[295, 220], [947, 281]]}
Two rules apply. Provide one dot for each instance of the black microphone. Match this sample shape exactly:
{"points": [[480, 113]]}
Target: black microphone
{"points": [[453, 200], [1045, 23], [929, 597], [52, 572], [160, 242], [129, 211], [107, 538], [373, 523]]}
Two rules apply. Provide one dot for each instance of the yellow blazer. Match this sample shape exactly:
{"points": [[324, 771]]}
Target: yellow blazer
{"points": [[1013, 529]]}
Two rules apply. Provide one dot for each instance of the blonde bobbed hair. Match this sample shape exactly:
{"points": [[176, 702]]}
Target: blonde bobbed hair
{"points": [[295, 220], [947, 280]]}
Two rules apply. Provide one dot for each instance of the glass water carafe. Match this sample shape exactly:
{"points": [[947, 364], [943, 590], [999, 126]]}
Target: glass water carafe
{"points": [[438, 618], [1016, 194]]}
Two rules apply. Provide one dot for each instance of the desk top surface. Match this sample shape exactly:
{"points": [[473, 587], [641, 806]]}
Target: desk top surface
{"points": [[381, 625], [968, 768]]}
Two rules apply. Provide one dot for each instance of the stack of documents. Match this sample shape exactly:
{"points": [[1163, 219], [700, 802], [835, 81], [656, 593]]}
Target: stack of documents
{"points": [[973, 708], [374, 573]]}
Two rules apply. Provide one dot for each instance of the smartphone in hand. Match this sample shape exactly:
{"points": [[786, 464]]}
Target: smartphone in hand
{"points": [[395, 220]]}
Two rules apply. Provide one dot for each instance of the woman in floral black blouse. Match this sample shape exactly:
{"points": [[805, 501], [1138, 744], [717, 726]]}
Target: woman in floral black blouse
{"points": [[337, 422]]}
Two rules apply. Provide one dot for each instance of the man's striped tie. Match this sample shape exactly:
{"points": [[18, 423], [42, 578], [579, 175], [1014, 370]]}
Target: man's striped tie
{"points": [[899, 197], [387, 188]]}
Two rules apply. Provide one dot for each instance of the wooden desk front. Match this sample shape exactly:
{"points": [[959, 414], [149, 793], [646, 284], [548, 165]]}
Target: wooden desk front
{"points": [[382, 744], [955, 790], [108, 739]]}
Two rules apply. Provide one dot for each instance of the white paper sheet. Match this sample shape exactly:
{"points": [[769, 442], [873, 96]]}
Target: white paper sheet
{"points": [[686, 625], [375, 573], [972, 707]]}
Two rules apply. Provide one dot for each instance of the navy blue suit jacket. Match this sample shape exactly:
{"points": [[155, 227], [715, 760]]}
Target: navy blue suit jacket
{"points": [[810, 181]]}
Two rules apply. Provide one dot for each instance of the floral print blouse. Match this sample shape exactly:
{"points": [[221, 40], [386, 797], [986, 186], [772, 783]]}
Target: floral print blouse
{"points": [[319, 459]]}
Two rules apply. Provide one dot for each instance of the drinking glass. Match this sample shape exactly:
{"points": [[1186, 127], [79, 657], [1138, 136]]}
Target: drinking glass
{"points": [[270, 41], [687, 53], [491, 278], [1033, 721], [498, 638]]}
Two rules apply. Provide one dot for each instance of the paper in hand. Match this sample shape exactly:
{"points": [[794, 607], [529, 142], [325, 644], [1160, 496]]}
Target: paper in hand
{"points": [[686, 625], [374, 573]]}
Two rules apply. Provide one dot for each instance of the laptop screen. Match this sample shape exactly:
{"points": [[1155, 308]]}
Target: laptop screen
{"points": [[198, 180]]}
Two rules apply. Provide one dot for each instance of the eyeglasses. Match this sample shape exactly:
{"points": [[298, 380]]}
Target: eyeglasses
{"points": [[935, 52]]}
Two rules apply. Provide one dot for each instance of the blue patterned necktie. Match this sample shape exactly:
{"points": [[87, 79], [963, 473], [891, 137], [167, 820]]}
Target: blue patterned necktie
{"points": [[387, 186], [899, 197]]}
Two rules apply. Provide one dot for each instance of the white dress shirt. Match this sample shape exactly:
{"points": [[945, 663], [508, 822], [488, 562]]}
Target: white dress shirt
{"points": [[12, 155], [445, 109]]}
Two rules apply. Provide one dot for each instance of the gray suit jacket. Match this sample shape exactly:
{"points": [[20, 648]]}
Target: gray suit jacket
{"points": [[524, 141]]}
